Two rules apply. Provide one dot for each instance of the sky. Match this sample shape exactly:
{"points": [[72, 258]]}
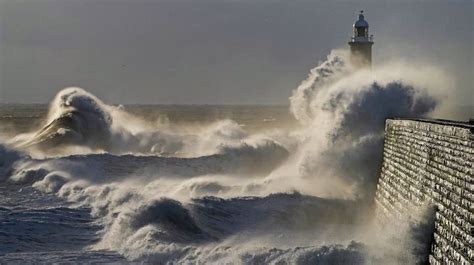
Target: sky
{"points": [[214, 52]]}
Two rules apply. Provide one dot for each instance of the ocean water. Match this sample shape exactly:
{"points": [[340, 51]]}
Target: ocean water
{"points": [[40, 227], [21, 118], [84, 181]]}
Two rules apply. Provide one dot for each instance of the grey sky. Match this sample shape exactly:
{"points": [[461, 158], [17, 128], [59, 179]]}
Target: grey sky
{"points": [[212, 52]]}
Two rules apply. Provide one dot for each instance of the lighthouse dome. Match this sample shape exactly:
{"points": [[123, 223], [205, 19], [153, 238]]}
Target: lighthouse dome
{"points": [[361, 23]]}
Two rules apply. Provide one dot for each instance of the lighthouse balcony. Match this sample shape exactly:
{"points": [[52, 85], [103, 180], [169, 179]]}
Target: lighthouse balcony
{"points": [[362, 39]]}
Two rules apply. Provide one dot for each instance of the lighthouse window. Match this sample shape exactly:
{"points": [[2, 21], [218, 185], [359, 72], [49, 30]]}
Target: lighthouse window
{"points": [[361, 32]]}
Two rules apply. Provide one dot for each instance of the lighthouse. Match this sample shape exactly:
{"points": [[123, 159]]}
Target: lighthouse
{"points": [[361, 43]]}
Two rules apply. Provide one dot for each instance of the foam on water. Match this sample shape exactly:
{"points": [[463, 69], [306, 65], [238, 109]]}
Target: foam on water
{"points": [[218, 194]]}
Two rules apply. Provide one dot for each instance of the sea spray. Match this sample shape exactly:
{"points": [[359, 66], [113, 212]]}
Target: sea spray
{"points": [[170, 194], [345, 110], [80, 123]]}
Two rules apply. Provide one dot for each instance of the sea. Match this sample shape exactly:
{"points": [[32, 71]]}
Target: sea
{"points": [[87, 181], [38, 227]]}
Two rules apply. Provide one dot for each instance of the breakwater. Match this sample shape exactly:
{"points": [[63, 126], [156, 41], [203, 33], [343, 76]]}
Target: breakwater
{"points": [[431, 161]]}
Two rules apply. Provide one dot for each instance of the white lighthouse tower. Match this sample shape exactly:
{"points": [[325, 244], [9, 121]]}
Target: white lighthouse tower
{"points": [[361, 43]]}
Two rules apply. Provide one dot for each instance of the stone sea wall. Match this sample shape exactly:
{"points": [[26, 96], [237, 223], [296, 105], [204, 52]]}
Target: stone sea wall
{"points": [[431, 161]]}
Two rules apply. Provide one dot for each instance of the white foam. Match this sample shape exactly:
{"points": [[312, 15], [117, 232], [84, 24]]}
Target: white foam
{"points": [[141, 180]]}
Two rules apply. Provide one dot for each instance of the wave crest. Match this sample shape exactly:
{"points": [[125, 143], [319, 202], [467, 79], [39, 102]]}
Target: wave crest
{"points": [[344, 111]]}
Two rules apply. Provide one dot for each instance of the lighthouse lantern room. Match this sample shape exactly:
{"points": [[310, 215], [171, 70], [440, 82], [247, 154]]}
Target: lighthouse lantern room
{"points": [[361, 43]]}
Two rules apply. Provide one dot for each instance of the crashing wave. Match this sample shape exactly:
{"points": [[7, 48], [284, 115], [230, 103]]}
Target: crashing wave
{"points": [[344, 112], [78, 119], [245, 160], [219, 195], [75, 118]]}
